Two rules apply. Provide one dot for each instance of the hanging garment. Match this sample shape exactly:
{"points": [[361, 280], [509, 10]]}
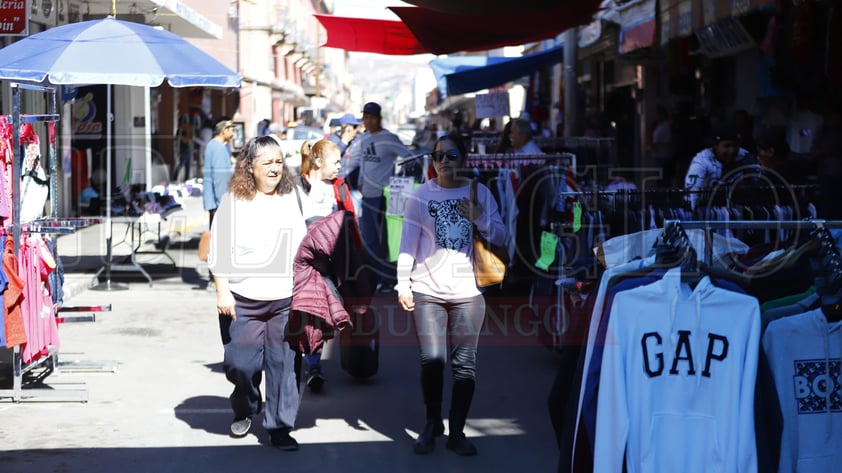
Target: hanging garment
{"points": [[679, 372], [804, 353], [34, 186], [13, 297], [35, 265], [4, 283]]}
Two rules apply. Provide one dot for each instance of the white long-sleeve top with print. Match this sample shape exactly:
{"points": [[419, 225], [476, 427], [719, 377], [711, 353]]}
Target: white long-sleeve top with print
{"points": [[253, 243], [804, 353], [436, 242], [705, 171], [676, 391]]}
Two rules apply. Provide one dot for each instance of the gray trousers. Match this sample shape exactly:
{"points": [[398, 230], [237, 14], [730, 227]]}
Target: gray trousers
{"points": [[257, 346]]}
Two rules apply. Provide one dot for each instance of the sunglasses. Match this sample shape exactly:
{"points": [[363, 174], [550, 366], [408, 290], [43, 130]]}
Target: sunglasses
{"points": [[451, 154]]}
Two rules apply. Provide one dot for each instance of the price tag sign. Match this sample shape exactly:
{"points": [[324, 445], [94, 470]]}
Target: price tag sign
{"points": [[399, 190], [492, 105]]}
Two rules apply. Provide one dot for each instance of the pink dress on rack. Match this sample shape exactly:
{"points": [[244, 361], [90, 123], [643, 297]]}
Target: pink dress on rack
{"points": [[13, 298], [36, 264]]}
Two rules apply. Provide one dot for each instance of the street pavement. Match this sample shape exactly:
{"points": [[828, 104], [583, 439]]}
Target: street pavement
{"points": [[158, 400]]}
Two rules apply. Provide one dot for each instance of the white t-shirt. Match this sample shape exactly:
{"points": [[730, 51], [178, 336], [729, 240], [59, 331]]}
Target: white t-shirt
{"points": [[322, 198]]}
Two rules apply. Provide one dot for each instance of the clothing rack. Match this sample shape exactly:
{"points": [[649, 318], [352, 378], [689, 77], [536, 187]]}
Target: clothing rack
{"points": [[409, 159], [709, 225], [568, 159], [47, 226]]}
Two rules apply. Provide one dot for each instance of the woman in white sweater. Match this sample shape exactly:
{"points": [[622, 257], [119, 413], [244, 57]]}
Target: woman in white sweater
{"points": [[436, 282], [254, 237]]}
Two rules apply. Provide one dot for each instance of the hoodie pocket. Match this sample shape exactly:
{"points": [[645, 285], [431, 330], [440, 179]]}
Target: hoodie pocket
{"points": [[819, 463], [684, 443]]}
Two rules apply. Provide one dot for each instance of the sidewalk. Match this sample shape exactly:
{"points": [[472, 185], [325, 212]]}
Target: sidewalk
{"points": [[166, 408]]}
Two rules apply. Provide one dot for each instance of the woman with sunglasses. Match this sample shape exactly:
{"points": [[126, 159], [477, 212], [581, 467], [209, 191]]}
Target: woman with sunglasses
{"points": [[254, 238], [436, 283]]}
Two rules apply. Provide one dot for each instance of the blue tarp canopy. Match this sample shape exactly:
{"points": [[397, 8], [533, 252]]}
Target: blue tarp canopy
{"points": [[463, 74], [442, 67]]}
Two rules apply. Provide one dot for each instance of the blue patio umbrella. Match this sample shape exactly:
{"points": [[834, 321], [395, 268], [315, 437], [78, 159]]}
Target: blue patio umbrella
{"points": [[112, 52]]}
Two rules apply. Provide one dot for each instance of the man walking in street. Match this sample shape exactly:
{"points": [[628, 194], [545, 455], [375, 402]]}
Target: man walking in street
{"points": [[376, 151], [218, 167]]}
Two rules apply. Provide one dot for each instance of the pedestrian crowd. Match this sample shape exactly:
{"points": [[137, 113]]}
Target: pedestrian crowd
{"points": [[295, 261]]}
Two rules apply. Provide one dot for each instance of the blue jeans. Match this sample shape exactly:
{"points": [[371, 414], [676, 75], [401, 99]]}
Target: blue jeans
{"points": [[443, 325], [373, 232], [314, 360]]}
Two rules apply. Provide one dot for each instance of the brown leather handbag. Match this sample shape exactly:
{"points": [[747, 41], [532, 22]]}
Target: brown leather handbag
{"points": [[490, 261], [204, 245]]}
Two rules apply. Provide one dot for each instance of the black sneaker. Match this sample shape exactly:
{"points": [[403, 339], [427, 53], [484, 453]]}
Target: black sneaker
{"points": [[315, 379], [240, 427], [460, 445], [284, 441]]}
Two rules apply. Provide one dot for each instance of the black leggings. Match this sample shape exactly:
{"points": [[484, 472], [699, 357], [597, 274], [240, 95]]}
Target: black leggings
{"points": [[440, 324]]}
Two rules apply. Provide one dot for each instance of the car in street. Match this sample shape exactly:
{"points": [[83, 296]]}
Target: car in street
{"points": [[295, 137]]}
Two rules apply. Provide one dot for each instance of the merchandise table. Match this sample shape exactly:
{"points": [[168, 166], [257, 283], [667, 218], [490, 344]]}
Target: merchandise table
{"points": [[136, 227]]}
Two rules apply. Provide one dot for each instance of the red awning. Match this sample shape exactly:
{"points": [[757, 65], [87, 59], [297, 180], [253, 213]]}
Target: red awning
{"points": [[371, 36], [444, 33], [472, 7], [428, 31]]}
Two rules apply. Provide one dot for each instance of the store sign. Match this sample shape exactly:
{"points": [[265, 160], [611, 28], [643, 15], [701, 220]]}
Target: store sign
{"points": [[724, 38], [492, 105], [14, 20], [678, 18]]}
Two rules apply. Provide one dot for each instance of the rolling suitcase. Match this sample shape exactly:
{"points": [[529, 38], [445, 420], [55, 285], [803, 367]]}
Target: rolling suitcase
{"points": [[359, 348]]}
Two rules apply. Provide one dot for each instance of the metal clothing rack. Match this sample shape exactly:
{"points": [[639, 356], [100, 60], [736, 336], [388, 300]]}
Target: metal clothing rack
{"points": [[566, 159], [710, 225], [48, 226]]}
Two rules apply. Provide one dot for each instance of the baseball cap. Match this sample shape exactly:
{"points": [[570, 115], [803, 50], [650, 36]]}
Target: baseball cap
{"points": [[725, 132], [349, 119], [223, 124], [371, 108]]}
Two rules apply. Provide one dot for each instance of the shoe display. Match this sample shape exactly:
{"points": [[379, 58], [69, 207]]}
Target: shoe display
{"points": [[461, 445], [284, 441], [240, 427], [426, 441], [315, 379]]}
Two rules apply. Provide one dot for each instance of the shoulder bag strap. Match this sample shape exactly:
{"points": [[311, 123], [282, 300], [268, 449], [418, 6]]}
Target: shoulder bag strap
{"points": [[298, 197], [342, 189], [473, 197]]}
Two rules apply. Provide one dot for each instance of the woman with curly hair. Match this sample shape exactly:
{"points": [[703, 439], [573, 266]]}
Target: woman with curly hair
{"points": [[254, 237]]}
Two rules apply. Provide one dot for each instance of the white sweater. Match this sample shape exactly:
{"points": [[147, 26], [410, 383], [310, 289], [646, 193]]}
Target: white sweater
{"points": [[436, 250], [253, 243], [804, 354], [676, 391]]}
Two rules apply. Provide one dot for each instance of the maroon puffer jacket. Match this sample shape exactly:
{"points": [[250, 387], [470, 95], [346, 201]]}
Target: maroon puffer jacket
{"points": [[317, 307]]}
